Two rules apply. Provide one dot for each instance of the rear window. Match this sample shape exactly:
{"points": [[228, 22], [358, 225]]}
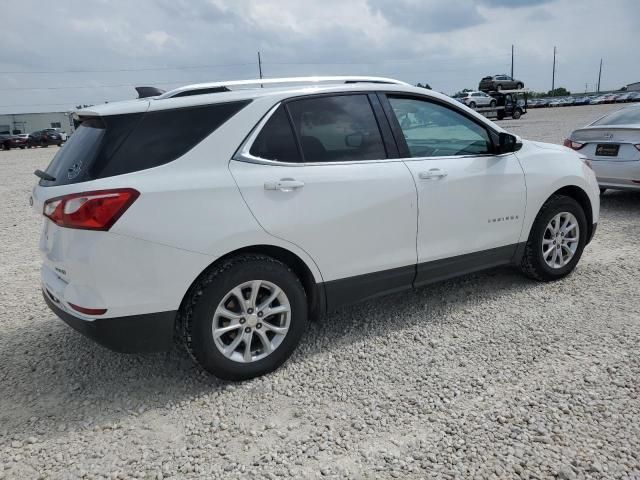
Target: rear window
{"points": [[626, 116], [118, 144]]}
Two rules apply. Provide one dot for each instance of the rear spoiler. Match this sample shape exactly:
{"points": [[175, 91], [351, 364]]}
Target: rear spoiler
{"points": [[145, 92]]}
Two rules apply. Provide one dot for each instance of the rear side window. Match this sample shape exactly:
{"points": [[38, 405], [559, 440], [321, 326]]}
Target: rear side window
{"points": [[118, 144], [276, 140], [337, 128]]}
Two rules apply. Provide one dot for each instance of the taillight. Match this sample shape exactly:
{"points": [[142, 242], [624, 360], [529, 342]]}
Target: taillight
{"points": [[97, 210], [572, 144]]}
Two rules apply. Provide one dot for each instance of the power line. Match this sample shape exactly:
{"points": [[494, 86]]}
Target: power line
{"points": [[224, 65]]}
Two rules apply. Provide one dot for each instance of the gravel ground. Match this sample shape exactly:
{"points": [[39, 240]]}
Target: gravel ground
{"points": [[488, 376]]}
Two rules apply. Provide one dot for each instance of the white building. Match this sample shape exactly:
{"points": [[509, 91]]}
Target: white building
{"points": [[31, 122], [633, 87]]}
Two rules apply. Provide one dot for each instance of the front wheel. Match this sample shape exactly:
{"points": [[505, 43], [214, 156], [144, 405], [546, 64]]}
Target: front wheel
{"points": [[519, 86], [556, 241], [244, 317], [472, 104], [493, 104], [517, 113], [498, 87]]}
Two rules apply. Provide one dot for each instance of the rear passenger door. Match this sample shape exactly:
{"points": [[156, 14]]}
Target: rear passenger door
{"points": [[321, 172]]}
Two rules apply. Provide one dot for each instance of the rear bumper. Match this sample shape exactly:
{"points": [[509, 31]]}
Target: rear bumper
{"points": [[151, 332]]}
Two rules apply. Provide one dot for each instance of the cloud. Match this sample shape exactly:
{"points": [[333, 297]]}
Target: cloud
{"points": [[513, 3], [158, 38], [97, 50], [428, 16]]}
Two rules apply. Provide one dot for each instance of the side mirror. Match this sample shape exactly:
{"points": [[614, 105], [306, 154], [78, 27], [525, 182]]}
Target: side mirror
{"points": [[508, 143], [353, 140]]}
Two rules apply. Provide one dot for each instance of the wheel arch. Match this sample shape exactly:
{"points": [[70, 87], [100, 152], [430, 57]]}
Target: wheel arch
{"points": [[314, 290], [580, 196]]}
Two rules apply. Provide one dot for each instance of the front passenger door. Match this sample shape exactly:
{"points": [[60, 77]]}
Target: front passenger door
{"points": [[471, 202]]}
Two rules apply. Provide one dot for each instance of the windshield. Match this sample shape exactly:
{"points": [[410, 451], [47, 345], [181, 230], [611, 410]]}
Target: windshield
{"points": [[626, 116]]}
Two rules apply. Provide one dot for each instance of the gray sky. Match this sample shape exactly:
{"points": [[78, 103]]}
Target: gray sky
{"points": [[91, 51]]}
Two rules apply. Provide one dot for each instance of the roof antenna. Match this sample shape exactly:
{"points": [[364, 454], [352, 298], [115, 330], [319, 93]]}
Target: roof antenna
{"points": [[145, 92]]}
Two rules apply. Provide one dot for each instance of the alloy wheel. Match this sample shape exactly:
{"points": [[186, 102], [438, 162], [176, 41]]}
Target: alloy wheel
{"points": [[251, 321], [560, 240]]}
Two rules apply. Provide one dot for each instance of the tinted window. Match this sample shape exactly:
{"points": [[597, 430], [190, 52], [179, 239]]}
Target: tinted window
{"points": [[626, 116], [339, 128], [432, 130], [276, 140], [117, 144]]}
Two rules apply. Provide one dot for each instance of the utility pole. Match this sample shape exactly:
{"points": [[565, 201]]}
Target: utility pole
{"points": [[599, 75], [511, 61], [553, 75], [260, 68]]}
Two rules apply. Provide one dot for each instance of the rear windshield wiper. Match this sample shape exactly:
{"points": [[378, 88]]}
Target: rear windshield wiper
{"points": [[44, 176]]}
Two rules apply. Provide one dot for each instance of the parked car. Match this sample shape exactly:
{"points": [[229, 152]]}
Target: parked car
{"points": [[44, 138], [612, 145], [477, 99], [634, 97], [12, 141], [543, 102], [59, 131], [5, 141], [309, 202], [599, 99], [555, 102], [499, 82], [581, 100]]}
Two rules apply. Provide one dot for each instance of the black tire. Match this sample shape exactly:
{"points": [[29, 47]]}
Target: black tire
{"points": [[519, 85], [602, 190], [197, 312], [533, 264], [498, 87], [493, 104], [472, 104], [517, 113], [22, 148]]}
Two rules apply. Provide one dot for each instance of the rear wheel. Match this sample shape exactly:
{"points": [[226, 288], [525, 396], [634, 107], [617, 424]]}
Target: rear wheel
{"points": [[493, 104], [244, 317], [519, 86], [556, 241], [517, 113], [472, 104], [498, 87]]}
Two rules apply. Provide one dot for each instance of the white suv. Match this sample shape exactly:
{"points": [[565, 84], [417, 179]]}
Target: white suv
{"points": [[228, 214]]}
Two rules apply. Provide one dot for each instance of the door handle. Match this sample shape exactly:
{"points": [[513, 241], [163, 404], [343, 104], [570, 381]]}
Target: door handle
{"points": [[433, 173], [284, 185]]}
